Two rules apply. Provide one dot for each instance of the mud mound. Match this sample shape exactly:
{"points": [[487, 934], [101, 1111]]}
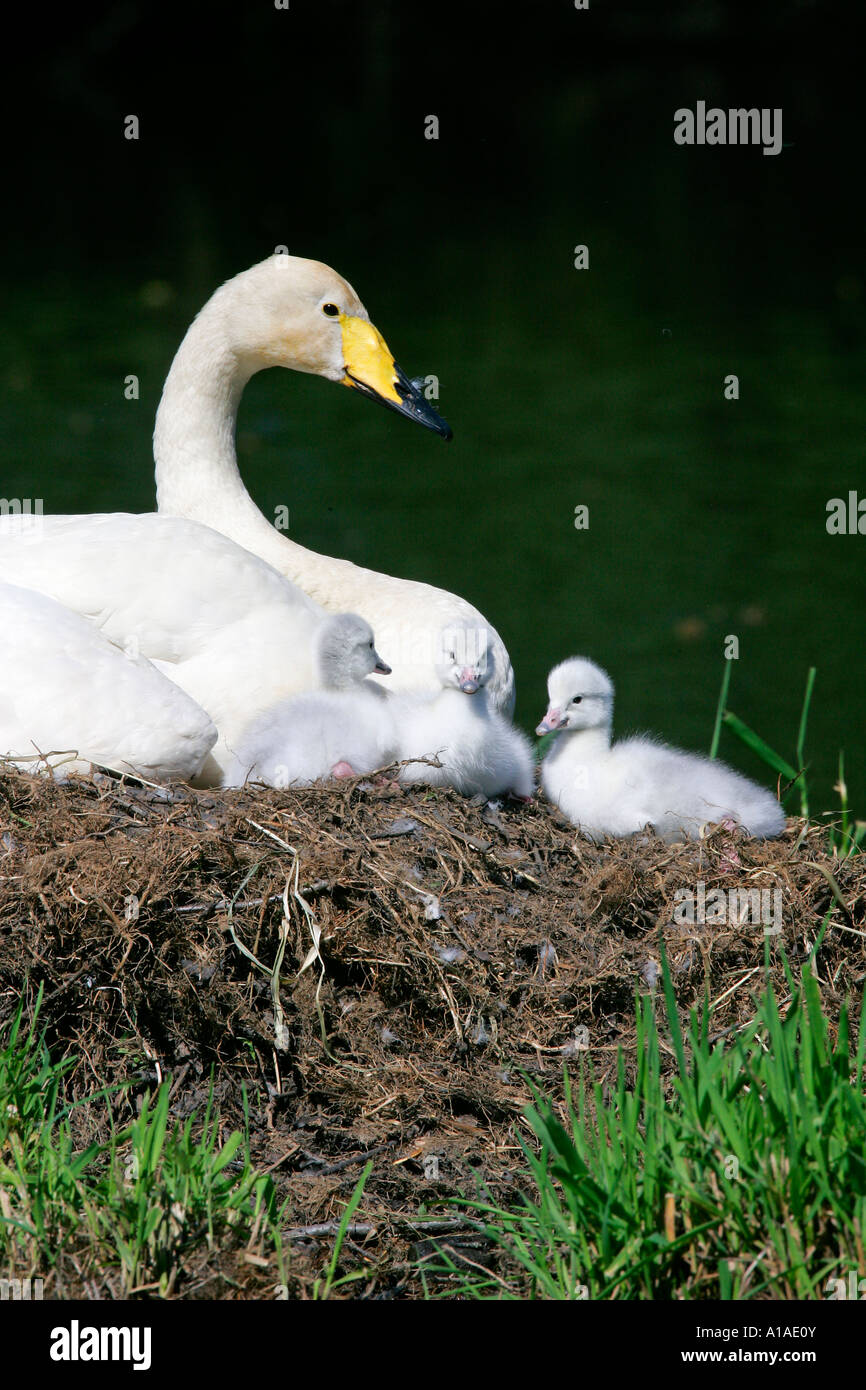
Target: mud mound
{"points": [[432, 951]]}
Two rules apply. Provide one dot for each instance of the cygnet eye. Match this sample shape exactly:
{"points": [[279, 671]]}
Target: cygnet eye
{"points": [[577, 699], [331, 311]]}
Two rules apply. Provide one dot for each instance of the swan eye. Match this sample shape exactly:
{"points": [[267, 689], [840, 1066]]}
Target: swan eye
{"points": [[330, 311], [577, 699]]}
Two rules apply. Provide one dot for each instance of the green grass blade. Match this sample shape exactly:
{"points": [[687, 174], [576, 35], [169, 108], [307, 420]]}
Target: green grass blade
{"points": [[801, 739], [758, 746], [720, 709]]}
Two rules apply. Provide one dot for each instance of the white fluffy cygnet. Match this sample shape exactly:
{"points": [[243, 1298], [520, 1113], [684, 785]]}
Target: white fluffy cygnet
{"points": [[480, 751], [339, 731], [618, 790]]}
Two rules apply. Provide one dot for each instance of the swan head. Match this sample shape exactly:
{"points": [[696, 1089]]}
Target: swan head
{"points": [[347, 652], [580, 696], [465, 659], [291, 312]]}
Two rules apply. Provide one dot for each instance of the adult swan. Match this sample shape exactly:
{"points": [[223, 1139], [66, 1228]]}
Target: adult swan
{"points": [[290, 312]]}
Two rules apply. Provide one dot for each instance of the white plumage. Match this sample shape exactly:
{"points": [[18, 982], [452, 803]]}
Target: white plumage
{"points": [[291, 313], [480, 751], [70, 698], [217, 621], [618, 790], [296, 313], [342, 729]]}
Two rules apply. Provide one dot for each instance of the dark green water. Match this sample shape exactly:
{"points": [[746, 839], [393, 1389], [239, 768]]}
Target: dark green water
{"points": [[601, 387]]}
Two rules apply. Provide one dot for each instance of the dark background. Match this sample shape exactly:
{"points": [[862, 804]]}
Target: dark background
{"points": [[305, 127]]}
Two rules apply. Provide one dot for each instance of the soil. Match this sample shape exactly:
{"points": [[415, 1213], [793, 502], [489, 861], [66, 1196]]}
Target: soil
{"points": [[453, 951]]}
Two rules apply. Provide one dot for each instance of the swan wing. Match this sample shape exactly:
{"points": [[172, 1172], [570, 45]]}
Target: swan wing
{"points": [[70, 694]]}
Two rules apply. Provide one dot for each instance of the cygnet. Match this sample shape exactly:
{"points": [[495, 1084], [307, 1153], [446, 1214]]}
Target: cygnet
{"points": [[344, 729], [639, 781], [480, 752]]}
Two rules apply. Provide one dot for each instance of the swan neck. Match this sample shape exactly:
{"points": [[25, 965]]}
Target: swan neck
{"points": [[197, 474], [194, 439]]}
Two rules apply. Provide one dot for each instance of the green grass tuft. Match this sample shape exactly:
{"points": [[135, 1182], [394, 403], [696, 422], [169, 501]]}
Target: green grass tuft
{"points": [[139, 1206], [743, 1177], [842, 840]]}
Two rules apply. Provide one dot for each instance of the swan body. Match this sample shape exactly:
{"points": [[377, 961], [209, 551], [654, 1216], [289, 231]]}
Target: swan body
{"points": [[219, 622], [300, 314], [70, 698], [344, 728], [480, 752], [620, 789], [233, 625]]}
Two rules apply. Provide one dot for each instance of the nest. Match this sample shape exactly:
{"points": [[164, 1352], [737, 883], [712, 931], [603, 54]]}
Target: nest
{"points": [[379, 968]]}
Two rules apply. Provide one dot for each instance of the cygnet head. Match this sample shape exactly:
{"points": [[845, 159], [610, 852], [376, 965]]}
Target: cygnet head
{"points": [[347, 652], [465, 656], [580, 696], [291, 312]]}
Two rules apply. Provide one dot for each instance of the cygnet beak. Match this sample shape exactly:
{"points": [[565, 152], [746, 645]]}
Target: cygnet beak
{"points": [[552, 720], [468, 681], [380, 666]]}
